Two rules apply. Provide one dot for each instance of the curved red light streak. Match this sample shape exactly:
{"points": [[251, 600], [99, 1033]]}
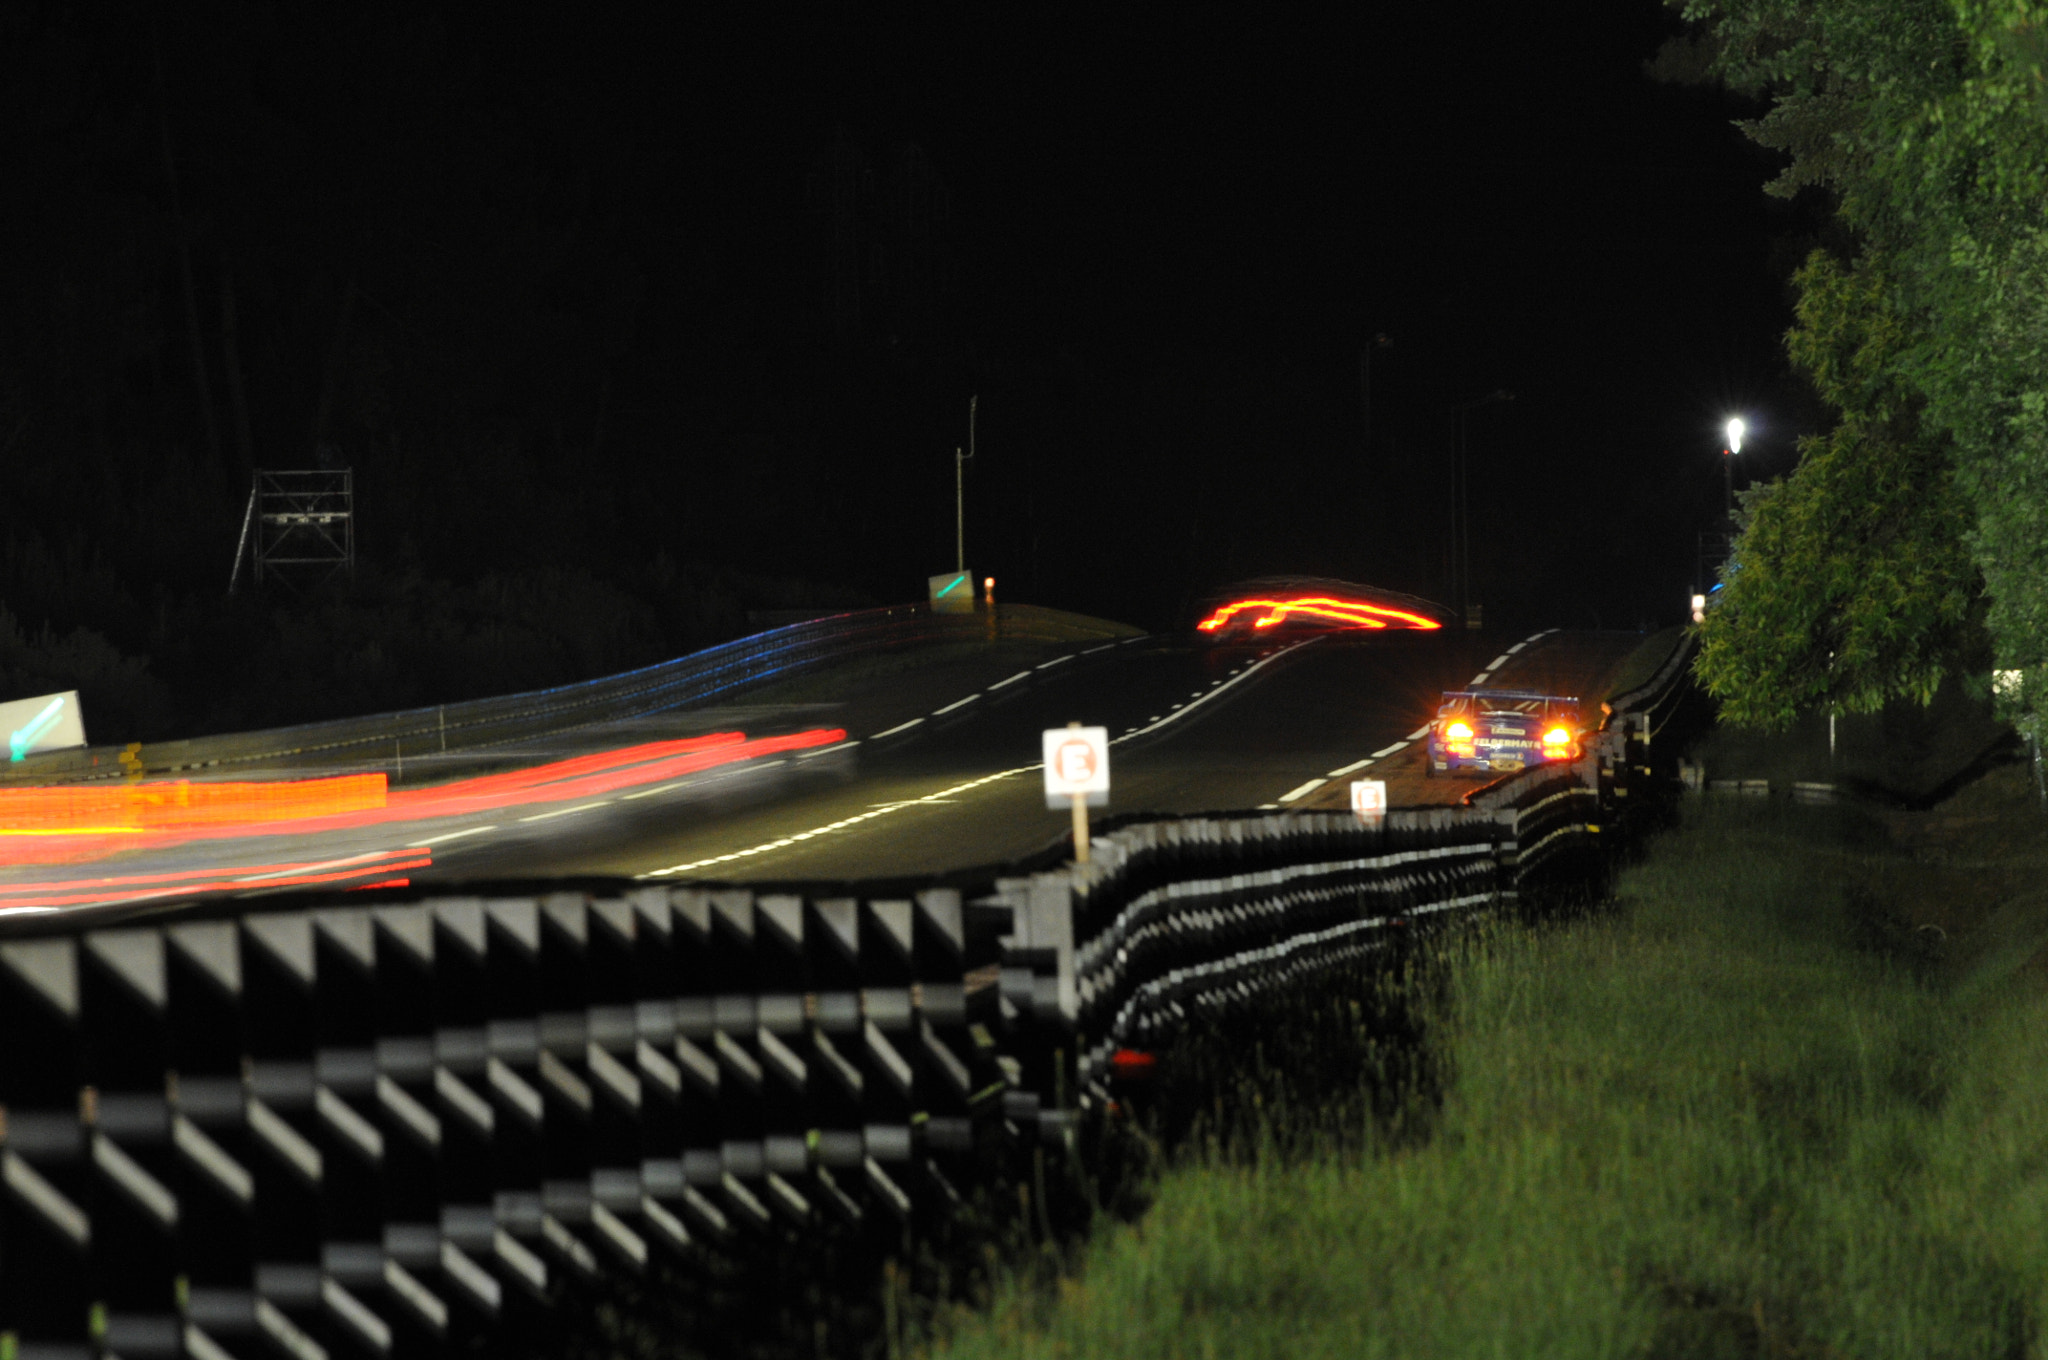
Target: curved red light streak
{"points": [[1351, 613]]}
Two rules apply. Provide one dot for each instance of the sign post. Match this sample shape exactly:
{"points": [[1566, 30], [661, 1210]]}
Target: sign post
{"points": [[1369, 801], [1077, 775]]}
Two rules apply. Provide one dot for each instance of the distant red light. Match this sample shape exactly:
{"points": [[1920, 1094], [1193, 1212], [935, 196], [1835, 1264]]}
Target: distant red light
{"points": [[1349, 613], [1129, 1062]]}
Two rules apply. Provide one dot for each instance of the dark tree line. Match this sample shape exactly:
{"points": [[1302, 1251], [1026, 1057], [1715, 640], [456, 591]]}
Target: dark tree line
{"points": [[580, 344]]}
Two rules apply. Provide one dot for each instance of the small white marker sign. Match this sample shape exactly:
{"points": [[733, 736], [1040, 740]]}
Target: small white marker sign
{"points": [[1369, 800], [1076, 763], [49, 722]]}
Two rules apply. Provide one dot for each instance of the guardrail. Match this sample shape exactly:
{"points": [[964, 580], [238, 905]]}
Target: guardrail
{"points": [[383, 741], [415, 1126]]}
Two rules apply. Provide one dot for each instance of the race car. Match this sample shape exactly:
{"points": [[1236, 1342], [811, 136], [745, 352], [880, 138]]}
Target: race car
{"points": [[1496, 731]]}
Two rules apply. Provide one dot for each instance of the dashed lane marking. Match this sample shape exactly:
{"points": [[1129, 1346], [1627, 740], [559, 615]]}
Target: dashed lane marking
{"points": [[880, 810], [314, 868], [957, 703], [1012, 680], [900, 727], [1303, 791], [563, 812], [451, 836], [1176, 714]]}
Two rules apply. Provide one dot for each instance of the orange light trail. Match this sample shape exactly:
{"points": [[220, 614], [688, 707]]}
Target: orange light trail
{"points": [[180, 804], [1351, 613], [78, 824]]}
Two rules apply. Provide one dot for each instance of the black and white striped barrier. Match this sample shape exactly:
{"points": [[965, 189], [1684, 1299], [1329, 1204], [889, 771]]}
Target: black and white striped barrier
{"points": [[324, 1129], [386, 1130]]}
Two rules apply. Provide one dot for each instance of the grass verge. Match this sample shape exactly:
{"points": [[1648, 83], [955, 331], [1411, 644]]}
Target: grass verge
{"points": [[1749, 1110]]}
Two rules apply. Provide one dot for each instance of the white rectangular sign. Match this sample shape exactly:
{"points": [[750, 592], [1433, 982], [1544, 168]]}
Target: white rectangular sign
{"points": [[952, 593], [1369, 799], [1076, 762], [48, 722]]}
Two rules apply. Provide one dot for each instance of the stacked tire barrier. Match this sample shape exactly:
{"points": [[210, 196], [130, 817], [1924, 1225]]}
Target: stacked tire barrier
{"points": [[713, 675], [388, 1130], [414, 1127]]}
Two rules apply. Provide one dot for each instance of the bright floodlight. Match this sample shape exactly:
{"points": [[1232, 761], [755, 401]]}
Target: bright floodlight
{"points": [[1735, 431]]}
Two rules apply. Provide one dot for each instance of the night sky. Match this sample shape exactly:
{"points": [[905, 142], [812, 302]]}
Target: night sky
{"points": [[610, 289]]}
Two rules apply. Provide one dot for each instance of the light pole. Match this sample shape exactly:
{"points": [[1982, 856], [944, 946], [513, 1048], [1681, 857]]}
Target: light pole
{"points": [[1372, 484], [1381, 341], [960, 492], [1461, 528], [1734, 429]]}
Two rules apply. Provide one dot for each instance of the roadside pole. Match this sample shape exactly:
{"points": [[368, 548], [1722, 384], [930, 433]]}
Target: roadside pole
{"points": [[1077, 775]]}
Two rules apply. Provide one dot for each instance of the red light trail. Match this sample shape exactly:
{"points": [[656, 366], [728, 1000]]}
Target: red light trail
{"points": [[1349, 613]]}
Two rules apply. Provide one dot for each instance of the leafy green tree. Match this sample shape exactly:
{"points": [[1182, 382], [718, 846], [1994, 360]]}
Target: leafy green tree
{"points": [[1850, 584], [1928, 120]]}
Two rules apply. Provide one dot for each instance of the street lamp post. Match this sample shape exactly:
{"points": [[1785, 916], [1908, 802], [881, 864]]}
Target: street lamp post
{"points": [[1381, 341], [960, 492], [1461, 528], [1373, 488]]}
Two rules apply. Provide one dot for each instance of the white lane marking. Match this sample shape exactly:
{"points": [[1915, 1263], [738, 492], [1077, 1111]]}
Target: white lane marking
{"points": [[1304, 791], [451, 836], [1048, 665], [1178, 713], [1516, 648], [1480, 678], [304, 868], [563, 812], [1353, 768], [1497, 662], [1419, 733], [1386, 751], [1103, 648], [1012, 680], [957, 703], [820, 751], [662, 788], [1267, 807], [879, 810], [900, 727]]}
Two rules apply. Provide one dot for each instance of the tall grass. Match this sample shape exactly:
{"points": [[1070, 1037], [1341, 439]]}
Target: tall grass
{"points": [[1734, 1115]]}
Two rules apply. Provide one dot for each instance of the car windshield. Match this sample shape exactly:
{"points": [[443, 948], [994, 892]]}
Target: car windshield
{"points": [[1509, 706]]}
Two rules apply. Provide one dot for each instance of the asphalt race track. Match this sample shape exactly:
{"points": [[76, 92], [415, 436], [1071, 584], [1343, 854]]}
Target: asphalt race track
{"points": [[922, 771]]}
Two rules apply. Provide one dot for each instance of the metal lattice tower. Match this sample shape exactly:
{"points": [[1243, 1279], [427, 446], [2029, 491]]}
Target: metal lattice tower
{"points": [[304, 527]]}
